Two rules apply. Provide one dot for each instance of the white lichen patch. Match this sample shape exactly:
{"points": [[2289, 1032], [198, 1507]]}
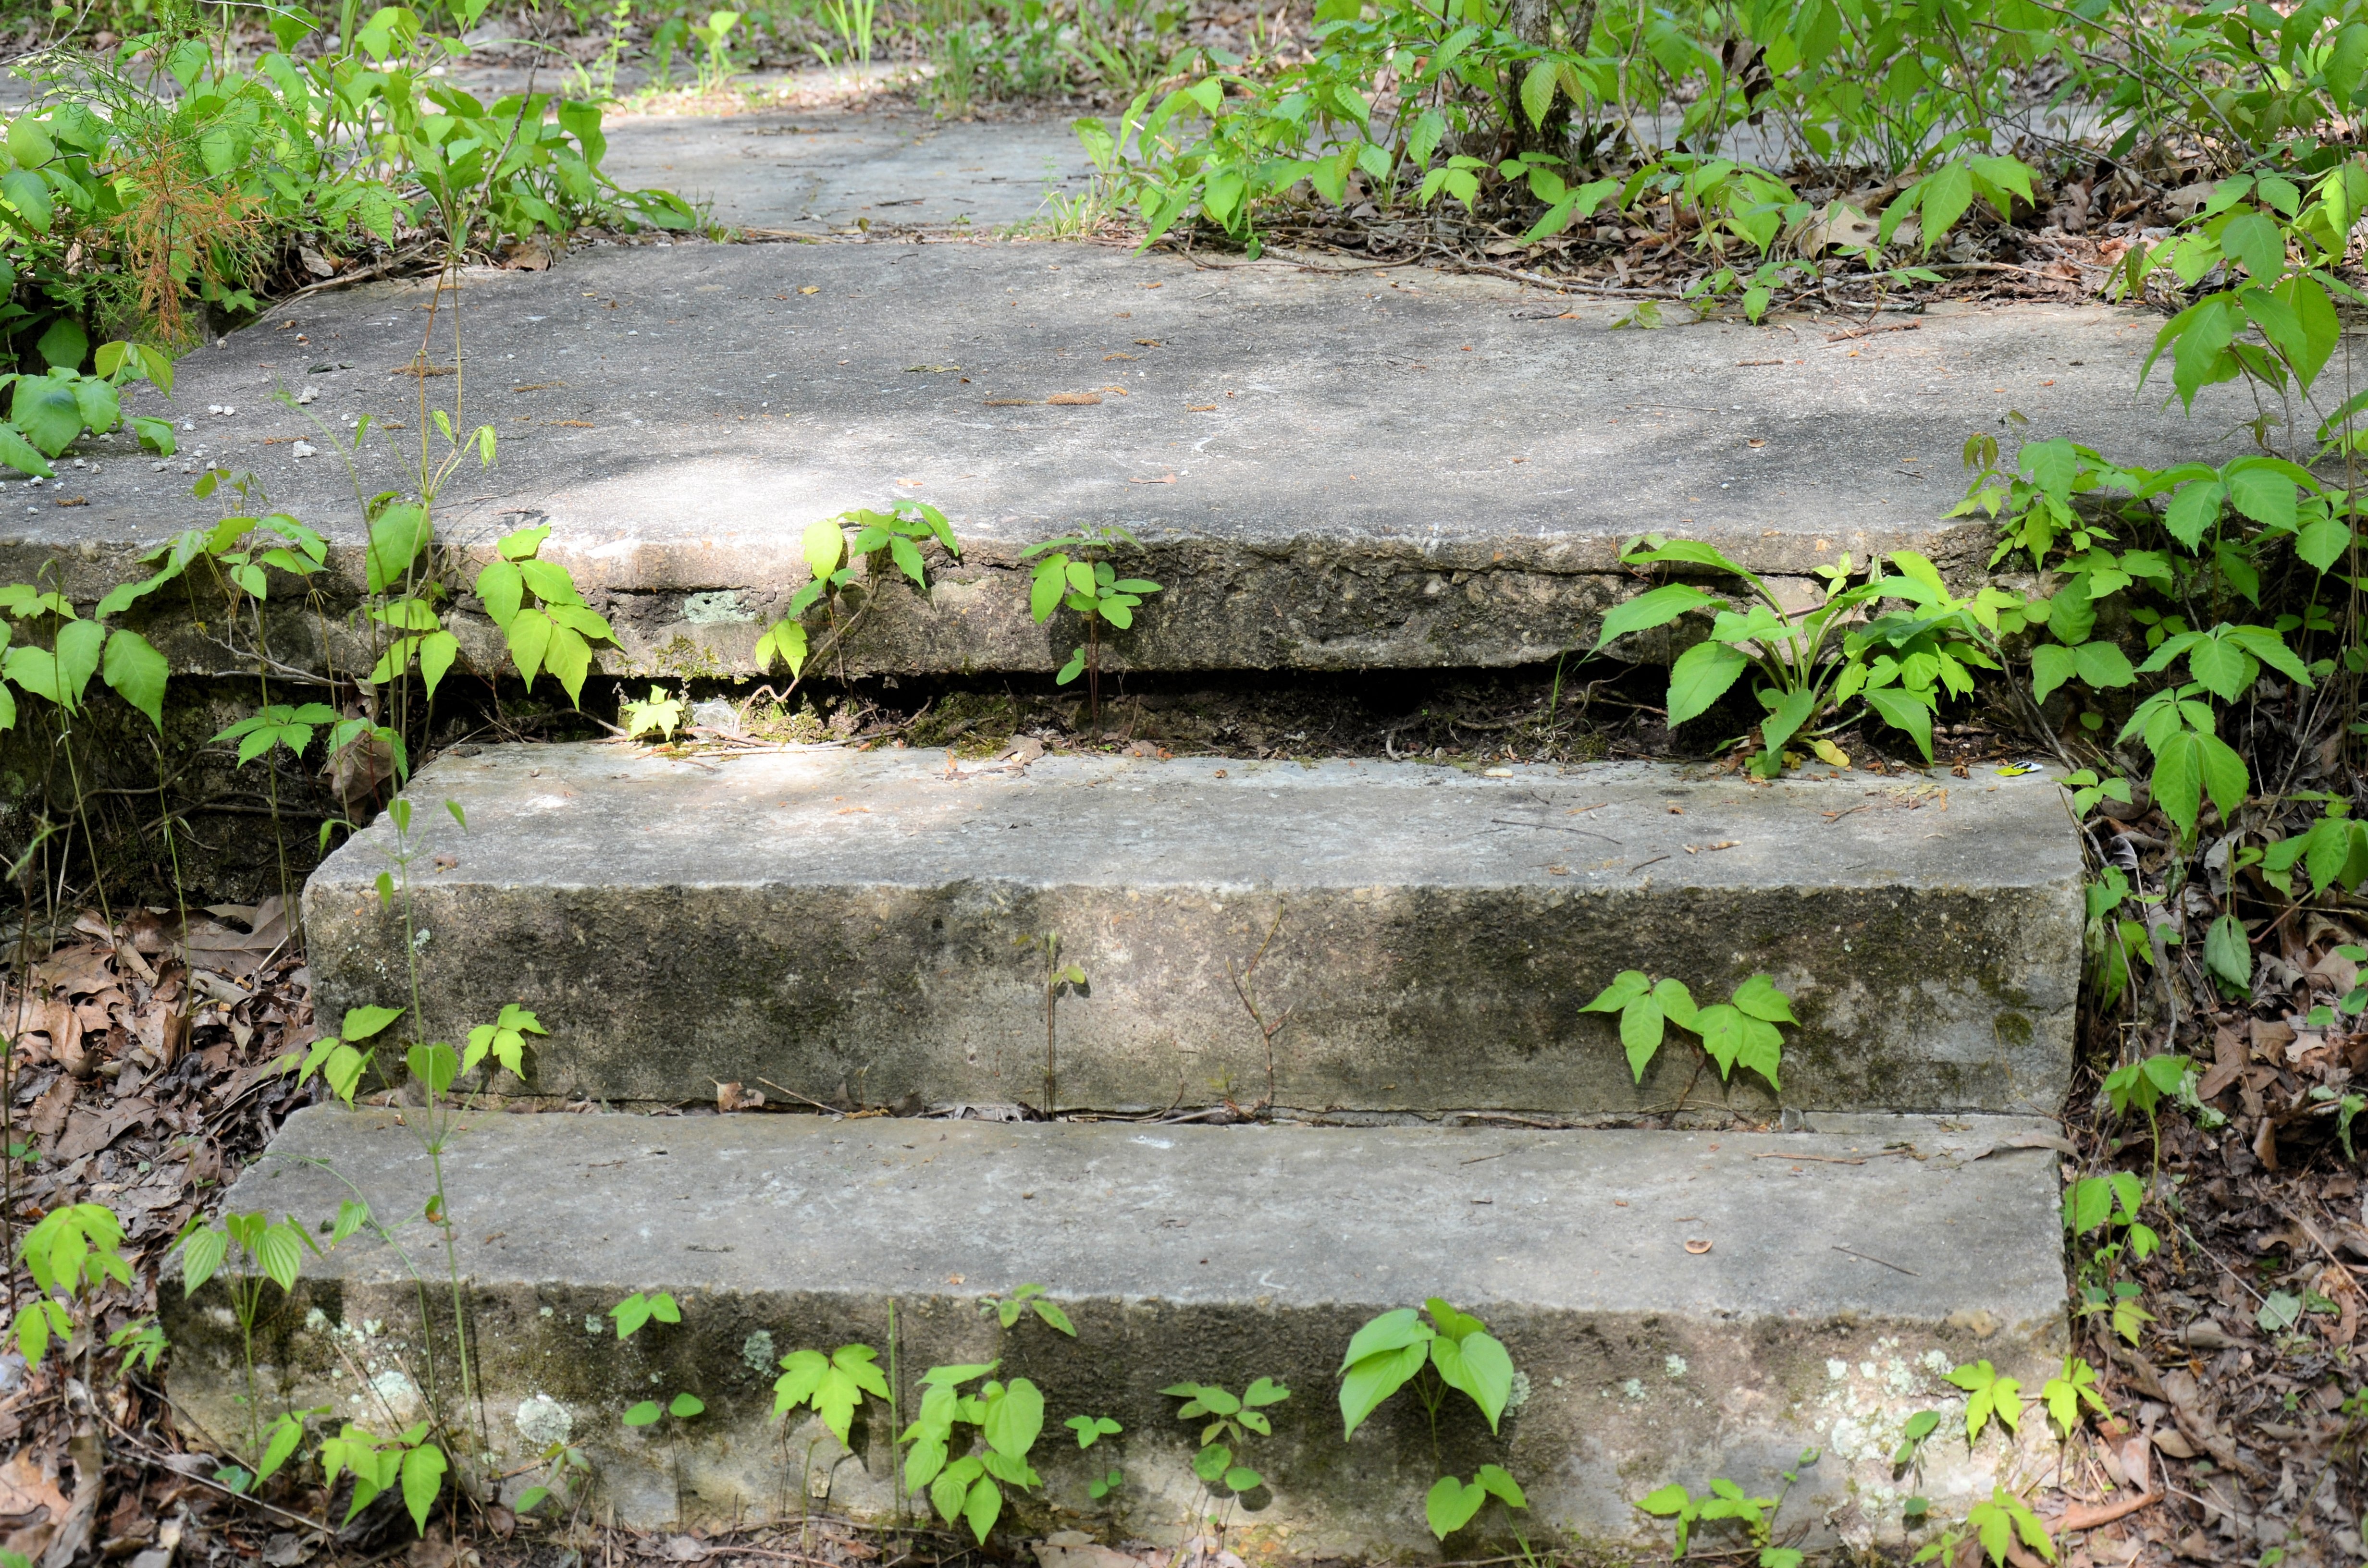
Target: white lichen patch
{"points": [[543, 1421], [396, 1392], [1675, 1365]]}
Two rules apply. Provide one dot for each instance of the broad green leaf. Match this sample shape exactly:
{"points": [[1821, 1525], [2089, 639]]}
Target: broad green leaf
{"points": [[1480, 1367], [1640, 1033], [1451, 1503], [138, 673], [1625, 987], [1392, 1331], [1374, 1378], [1700, 678], [1013, 1421], [423, 1478], [1657, 606], [361, 1023], [1759, 998], [1903, 711]]}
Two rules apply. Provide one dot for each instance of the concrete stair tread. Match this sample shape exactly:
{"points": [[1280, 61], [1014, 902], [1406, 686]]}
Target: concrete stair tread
{"points": [[1369, 1217], [1845, 1268], [1321, 516], [843, 923]]}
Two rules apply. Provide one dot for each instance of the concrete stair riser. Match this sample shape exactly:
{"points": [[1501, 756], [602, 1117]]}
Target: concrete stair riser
{"points": [[844, 925], [1644, 1363]]}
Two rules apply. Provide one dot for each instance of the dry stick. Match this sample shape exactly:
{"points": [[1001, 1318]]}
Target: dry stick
{"points": [[1241, 988]]}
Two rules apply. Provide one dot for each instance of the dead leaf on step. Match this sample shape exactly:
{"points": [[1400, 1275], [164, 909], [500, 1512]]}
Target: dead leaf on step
{"points": [[730, 1097]]}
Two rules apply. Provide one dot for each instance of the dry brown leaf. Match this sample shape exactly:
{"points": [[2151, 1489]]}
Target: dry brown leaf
{"points": [[49, 1111], [77, 970], [25, 1491], [90, 1130]]}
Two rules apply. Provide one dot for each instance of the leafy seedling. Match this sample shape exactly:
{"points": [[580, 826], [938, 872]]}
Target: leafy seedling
{"points": [[1007, 1309], [379, 1463], [637, 1308], [1076, 575], [833, 1385], [1740, 1031], [1092, 1429], [1991, 1395], [660, 716], [1229, 1420], [1005, 1418]]}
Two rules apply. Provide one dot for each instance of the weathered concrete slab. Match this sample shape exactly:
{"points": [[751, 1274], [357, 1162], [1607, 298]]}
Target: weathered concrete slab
{"points": [[1333, 472], [829, 168], [844, 924], [1835, 1289]]}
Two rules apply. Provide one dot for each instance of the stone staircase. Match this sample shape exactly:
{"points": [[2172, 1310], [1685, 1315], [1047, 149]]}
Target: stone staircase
{"points": [[1695, 1277]]}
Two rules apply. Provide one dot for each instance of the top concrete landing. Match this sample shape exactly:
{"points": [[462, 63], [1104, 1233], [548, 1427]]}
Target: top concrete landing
{"points": [[1318, 459], [834, 168]]}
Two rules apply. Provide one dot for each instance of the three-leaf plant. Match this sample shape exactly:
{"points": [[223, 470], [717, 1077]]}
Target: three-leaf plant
{"points": [[379, 1463], [1740, 1031], [898, 534], [1075, 575], [1231, 1417], [543, 617], [833, 1386]]}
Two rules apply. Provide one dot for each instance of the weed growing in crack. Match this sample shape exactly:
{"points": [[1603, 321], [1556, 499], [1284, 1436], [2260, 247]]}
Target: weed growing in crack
{"points": [[1727, 1500], [1058, 978], [1740, 1031], [1076, 575], [1228, 1420], [1453, 1351], [1004, 1421], [1090, 1430]]}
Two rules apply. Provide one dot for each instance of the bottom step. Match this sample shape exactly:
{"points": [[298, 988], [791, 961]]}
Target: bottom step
{"points": [[1679, 1305]]}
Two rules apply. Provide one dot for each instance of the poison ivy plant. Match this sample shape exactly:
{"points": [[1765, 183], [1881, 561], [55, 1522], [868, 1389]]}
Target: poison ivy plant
{"points": [[2067, 1392], [1740, 1031], [1820, 668], [832, 1385], [1995, 1524], [1990, 1395], [847, 594], [78, 649], [542, 616], [71, 1250], [639, 1309], [504, 1040], [1007, 1309], [1075, 575], [340, 1058], [661, 715], [377, 1464], [682, 1407], [1725, 1500], [1228, 1420]]}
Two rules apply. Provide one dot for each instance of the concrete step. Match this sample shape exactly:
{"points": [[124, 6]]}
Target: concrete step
{"points": [[1389, 469], [1679, 1306], [844, 926]]}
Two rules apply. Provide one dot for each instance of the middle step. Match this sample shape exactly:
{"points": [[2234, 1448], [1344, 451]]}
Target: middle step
{"points": [[851, 926]]}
